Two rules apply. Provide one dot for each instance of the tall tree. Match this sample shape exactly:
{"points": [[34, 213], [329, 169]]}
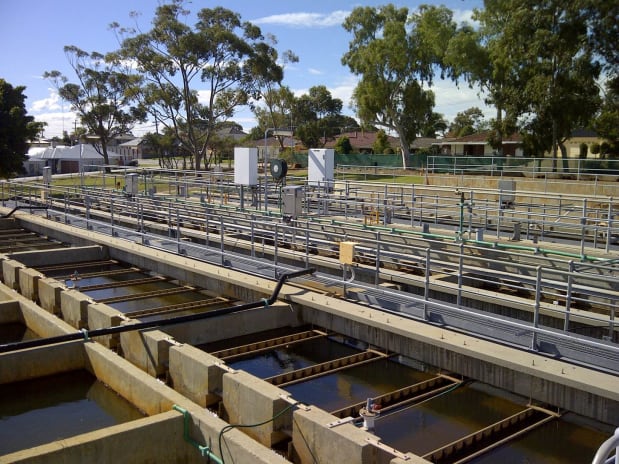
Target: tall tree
{"points": [[551, 69], [101, 97], [17, 129], [196, 77], [396, 55], [276, 112], [477, 56]]}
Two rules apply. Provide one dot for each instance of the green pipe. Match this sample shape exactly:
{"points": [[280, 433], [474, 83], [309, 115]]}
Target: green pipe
{"points": [[204, 450]]}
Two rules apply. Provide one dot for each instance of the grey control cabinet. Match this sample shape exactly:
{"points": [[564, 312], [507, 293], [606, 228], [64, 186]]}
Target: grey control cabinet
{"points": [[293, 201]]}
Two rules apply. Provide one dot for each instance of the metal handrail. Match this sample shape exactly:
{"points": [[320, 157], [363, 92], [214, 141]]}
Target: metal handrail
{"points": [[606, 448]]}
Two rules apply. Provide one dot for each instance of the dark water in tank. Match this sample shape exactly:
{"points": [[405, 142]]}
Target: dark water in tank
{"points": [[46, 409], [423, 428], [12, 332]]}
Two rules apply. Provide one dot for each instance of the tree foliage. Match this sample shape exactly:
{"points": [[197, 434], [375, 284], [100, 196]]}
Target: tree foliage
{"points": [[228, 57], [606, 123], [539, 54], [343, 146], [395, 55], [17, 129], [381, 144], [101, 97], [468, 122]]}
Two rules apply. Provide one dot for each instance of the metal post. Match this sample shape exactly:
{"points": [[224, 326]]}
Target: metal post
{"points": [[538, 294], [221, 240], [377, 269], [460, 272], [178, 232], [253, 248], [583, 222], [426, 290], [609, 225], [275, 249], [568, 296], [112, 215]]}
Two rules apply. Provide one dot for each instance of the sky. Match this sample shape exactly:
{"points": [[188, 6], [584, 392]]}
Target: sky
{"points": [[34, 32]]}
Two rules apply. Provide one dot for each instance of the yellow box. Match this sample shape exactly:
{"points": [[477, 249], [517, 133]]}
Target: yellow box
{"points": [[347, 252]]}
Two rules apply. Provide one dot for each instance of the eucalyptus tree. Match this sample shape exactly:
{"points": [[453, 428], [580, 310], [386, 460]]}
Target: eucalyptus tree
{"points": [[396, 55], [543, 49], [196, 77], [478, 56], [275, 112], [101, 97]]}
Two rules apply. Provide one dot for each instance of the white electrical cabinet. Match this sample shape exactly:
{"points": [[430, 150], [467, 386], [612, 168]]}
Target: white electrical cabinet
{"points": [[320, 167], [131, 184], [245, 166]]}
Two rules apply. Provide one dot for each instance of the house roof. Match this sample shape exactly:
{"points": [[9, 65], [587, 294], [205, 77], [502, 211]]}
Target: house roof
{"points": [[479, 138], [362, 140], [132, 143], [76, 152]]}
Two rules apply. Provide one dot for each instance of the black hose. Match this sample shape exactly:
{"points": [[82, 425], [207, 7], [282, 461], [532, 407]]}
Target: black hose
{"points": [[10, 213], [84, 334]]}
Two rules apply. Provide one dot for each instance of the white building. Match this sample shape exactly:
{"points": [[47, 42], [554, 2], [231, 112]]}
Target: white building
{"points": [[65, 160]]}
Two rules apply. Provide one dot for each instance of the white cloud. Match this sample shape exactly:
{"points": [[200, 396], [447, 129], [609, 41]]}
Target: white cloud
{"points": [[315, 72], [57, 122], [305, 20], [464, 16], [51, 103], [451, 100]]}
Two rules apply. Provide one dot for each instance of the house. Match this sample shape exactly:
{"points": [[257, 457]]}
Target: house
{"points": [[65, 160], [134, 149], [478, 145], [363, 142], [578, 137]]}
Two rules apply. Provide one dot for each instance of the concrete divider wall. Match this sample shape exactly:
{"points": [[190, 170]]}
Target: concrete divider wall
{"points": [[196, 374], [10, 273], [147, 349], [153, 439], [250, 400], [49, 290], [30, 314], [314, 441], [29, 283], [101, 316], [154, 397], [10, 312], [38, 362], [74, 308], [60, 255], [235, 325]]}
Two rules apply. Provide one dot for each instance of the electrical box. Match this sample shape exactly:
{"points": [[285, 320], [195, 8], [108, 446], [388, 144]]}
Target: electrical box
{"points": [[245, 166], [347, 252], [507, 189], [131, 184], [293, 201], [47, 175], [320, 167]]}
